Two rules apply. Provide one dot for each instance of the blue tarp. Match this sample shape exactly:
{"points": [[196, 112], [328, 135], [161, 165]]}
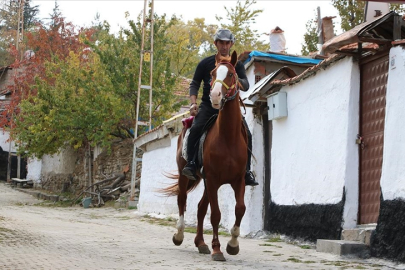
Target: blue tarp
{"points": [[292, 59]]}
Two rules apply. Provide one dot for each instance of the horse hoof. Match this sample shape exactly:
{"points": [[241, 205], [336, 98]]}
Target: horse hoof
{"points": [[232, 250], [203, 249], [177, 242], [218, 257]]}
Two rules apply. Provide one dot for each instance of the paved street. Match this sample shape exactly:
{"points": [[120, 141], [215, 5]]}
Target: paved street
{"points": [[35, 236]]}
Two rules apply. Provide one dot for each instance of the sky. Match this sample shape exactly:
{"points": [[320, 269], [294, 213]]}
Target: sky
{"points": [[291, 16]]}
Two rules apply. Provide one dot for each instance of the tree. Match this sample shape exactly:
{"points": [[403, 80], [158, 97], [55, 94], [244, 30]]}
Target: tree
{"points": [[310, 37], [9, 25], [352, 12], [46, 44], [77, 109], [120, 56], [189, 43], [241, 18]]}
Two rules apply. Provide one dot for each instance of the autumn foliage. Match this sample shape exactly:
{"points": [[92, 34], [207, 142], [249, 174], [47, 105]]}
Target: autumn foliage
{"points": [[42, 45]]}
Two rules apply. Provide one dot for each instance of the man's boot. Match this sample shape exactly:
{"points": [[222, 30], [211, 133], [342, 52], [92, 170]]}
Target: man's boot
{"points": [[190, 170], [250, 179]]}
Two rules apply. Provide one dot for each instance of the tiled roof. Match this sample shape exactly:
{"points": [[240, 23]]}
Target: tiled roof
{"points": [[309, 72]]}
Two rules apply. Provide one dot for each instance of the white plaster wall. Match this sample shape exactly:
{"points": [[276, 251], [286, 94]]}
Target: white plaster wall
{"points": [[393, 169], [157, 162], [250, 74], [34, 167], [4, 144], [352, 152], [314, 154], [63, 163]]}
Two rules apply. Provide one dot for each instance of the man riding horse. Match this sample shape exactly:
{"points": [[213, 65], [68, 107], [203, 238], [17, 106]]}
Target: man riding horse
{"points": [[223, 40]]}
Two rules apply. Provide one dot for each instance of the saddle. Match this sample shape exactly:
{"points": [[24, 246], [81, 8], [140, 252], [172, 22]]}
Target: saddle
{"points": [[187, 122]]}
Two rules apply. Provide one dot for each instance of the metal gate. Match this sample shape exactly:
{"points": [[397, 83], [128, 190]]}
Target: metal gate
{"points": [[374, 75]]}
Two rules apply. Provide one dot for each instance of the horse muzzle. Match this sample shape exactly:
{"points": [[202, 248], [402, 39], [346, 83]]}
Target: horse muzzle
{"points": [[216, 101]]}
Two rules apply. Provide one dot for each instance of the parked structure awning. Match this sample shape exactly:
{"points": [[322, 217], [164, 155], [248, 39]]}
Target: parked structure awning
{"points": [[382, 31]]}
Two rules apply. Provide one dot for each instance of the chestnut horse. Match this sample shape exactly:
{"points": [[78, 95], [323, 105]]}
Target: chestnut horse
{"points": [[224, 162]]}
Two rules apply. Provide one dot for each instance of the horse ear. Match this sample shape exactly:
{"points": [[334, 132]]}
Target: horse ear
{"points": [[234, 58]]}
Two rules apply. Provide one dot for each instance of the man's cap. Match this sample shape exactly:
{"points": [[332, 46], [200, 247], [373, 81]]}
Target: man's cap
{"points": [[224, 34]]}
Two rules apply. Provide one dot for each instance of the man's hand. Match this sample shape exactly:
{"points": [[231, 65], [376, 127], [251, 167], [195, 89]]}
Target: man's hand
{"points": [[193, 109]]}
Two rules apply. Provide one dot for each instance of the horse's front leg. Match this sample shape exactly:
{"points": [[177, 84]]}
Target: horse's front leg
{"points": [[181, 203], [217, 255], [233, 245], [201, 212]]}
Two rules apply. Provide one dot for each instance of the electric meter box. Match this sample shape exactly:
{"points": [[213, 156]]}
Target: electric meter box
{"points": [[277, 105]]}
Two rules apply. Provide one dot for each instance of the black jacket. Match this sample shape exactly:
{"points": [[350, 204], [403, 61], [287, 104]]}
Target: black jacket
{"points": [[203, 73]]}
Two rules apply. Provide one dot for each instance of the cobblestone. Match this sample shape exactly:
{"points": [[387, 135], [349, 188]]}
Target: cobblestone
{"points": [[38, 237]]}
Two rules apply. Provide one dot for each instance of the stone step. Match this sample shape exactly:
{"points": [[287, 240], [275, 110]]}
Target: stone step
{"points": [[342, 247], [361, 234]]}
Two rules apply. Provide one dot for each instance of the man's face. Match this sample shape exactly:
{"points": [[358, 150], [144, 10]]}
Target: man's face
{"points": [[223, 47]]}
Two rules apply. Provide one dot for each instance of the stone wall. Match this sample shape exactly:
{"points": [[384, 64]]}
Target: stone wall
{"points": [[113, 162], [68, 171]]}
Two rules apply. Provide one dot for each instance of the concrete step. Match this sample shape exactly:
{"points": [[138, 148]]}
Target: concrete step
{"points": [[342, 247], [361, 234]]}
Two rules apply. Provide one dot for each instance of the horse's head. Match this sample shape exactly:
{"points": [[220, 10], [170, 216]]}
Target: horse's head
{"points": [[224, 84]]}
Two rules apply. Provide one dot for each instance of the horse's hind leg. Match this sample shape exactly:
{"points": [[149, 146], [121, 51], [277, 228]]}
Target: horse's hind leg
{"points": [[201, 212], [181, 203], [233, 245]]}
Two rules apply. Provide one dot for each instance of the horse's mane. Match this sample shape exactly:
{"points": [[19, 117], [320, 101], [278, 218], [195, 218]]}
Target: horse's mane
{"points": [[224, 58]]}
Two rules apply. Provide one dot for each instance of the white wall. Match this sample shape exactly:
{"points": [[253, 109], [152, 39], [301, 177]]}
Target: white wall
{"points": [[157, 162], [4, 144], [393, 169], [34, 167], [63, 163], [314, 154]]}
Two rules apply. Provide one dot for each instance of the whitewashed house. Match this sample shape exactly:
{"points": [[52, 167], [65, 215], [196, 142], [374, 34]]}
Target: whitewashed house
{"points": [[335, 142]]}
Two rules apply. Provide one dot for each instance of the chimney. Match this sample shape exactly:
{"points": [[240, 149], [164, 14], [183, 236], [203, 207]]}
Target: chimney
{"points": [[327, 28], [373, 10], [277, 40]]}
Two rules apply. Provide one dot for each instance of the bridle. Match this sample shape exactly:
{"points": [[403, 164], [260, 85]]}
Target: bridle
{"points": [[232, 89]]}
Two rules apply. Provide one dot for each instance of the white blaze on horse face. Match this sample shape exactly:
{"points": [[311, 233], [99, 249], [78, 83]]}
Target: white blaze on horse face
{"points": [[216, 94]]}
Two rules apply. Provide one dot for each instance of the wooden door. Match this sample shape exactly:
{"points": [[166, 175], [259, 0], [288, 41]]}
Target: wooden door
{"points": [[374, 76]]}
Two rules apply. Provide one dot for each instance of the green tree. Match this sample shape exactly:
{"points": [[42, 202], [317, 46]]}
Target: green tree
{"points": [[189, 43], [241, 19], [352, 12], [310, 37], [120, 56], [76, 109], [9, 25]]}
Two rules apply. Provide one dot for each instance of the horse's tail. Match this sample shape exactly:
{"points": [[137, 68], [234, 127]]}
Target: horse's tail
{"points": [[173, 190]]}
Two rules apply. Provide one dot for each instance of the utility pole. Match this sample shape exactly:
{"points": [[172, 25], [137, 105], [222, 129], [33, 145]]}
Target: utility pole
{"points": [[145, 56], [19, 39], [319, 31]]}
